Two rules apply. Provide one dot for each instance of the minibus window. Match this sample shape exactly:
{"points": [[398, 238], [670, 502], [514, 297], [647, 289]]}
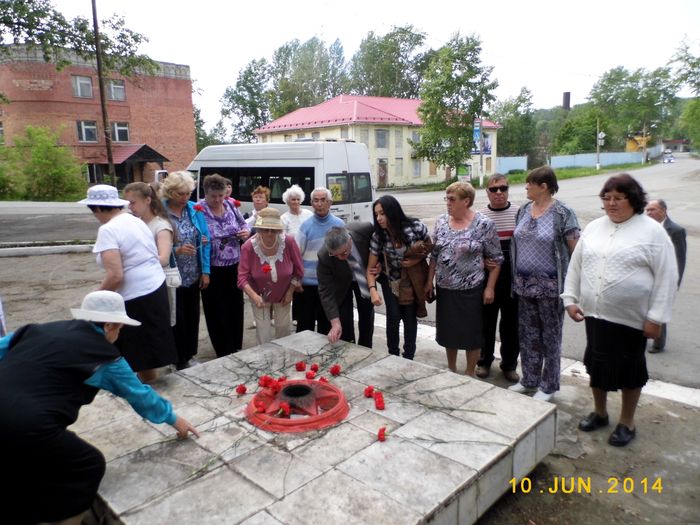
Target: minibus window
{"points": [[361, 187], [340, 188]]}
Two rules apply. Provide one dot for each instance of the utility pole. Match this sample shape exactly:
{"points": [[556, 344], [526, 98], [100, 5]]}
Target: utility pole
{"points": [[599, 141], [103, 99], [644, 143], [481, 151]]}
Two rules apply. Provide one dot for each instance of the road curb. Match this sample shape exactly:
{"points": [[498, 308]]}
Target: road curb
{"points": [[24, 251]]}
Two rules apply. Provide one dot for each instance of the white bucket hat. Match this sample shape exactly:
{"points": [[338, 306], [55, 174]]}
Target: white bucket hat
{"points": [[103, 195], [103, 306]]}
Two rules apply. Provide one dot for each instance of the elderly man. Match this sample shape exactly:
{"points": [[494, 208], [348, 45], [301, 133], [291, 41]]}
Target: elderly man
{"points": [[342, 266], [502, 212], [658, 210], [310, 239]]}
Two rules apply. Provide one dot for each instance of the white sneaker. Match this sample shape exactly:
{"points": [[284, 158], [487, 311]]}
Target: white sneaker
{"points": [[521, 389], [542, 396]]}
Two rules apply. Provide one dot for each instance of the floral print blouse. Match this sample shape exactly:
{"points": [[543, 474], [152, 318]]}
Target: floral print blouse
{"points": [[460, 254]]}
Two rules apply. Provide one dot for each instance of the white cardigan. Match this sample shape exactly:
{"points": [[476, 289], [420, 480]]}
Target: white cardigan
{"points": [[624, 273]]}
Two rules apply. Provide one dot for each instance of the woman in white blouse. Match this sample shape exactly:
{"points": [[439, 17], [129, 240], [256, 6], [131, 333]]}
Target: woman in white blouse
{"points": [[293, 197], [622, 282]]}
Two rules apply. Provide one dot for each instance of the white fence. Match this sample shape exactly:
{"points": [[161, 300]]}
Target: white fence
{"points": [[581, 160], [505, 164]]}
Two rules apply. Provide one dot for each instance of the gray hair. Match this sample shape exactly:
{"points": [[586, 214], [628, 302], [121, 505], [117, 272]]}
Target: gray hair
{"points": [[293, 191], [328, 193], [662, 204], [336, 238], [496, 176], [176, 181]]}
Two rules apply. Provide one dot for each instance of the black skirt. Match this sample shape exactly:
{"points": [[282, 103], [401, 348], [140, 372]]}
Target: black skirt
{"points": [[150, 345], [614, 356], [458, 318]]}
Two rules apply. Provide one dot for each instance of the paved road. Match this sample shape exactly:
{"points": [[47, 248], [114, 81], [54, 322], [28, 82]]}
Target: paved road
{"points": [[678, 183]]}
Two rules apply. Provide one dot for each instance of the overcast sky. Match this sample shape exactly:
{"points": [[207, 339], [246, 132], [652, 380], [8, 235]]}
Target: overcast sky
{"points": [[547, 46]]}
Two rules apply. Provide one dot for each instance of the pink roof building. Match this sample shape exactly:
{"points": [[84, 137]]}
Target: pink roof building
{"points": [[385, 125]]}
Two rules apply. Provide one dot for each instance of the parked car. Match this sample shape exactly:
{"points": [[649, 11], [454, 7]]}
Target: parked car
{"points": [[668, 157]]}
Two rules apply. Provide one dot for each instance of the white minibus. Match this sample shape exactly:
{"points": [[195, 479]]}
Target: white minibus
{"points": [[340, 166]]}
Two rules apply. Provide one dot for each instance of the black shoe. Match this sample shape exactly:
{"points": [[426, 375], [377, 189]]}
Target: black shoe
{"points": [[621, 436], [656, 349], [593, 422]]}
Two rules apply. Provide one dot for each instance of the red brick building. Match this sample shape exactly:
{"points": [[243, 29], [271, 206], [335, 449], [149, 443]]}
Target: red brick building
{"points": [[151, 118]]}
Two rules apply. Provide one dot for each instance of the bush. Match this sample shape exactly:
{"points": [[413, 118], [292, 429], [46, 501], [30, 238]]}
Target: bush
{"points": [[47, 171]]}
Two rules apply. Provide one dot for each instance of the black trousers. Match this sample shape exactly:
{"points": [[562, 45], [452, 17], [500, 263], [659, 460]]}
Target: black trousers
{"points": [[186, 329], [507, 328], [311, 314], [223, 310], [365, 323]]}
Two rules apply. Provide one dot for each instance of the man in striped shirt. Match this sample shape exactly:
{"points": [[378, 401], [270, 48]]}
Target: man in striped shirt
{"points": [[502, 212]]}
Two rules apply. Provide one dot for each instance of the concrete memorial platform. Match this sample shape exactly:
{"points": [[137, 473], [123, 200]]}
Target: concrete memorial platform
{"points": [[453, 444]]}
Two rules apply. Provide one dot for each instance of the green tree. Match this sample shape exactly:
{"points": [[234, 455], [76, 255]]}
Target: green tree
{"points": [[688, 67], [691, 121], [635, 101], [49, 172], [579, 132], [391, 65], [338, 80], [39, 25], [202, 137], [518, 135], [247, 104], [454, 92]]}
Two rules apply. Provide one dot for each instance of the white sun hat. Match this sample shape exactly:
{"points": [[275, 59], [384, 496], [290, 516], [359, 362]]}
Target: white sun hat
{"points": [[103, 195], [103, 306]]}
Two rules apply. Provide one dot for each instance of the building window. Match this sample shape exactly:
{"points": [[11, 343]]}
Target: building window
{"points": [[316, 135], [398, 142], [87, 131], [398, 167], [381, 138], [364, 136], [287, 138], [344, 133], [120, 131], [432, 169], [116, 90], [82, 86], [416, 168], [301, 135]]}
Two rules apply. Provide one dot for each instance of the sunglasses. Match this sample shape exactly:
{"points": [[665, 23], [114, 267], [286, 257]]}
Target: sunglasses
{"points": [[496, 189]]}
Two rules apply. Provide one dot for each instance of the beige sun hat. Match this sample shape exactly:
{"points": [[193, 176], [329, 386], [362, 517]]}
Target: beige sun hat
{"points": [[103, 306], [103, 195], [268, 219]]}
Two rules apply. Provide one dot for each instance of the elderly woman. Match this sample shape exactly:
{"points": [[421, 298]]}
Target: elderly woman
{"points": [[192, 253], [222, 299], [623, 303], [463, 240], [399, 243], [145, 204], [261, 198], [47, 372], [270, 271], [545, 234], [126, 250], [292, 219]]}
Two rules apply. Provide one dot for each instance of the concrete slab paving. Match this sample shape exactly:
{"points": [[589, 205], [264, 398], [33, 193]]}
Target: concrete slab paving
{"points": [[453, 444]]}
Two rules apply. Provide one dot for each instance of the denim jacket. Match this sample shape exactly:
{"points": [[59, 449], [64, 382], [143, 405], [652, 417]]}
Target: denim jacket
{"points": [[564, 220]]}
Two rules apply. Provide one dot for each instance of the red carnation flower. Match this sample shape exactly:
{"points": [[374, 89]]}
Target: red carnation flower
{"points": [[266, 268], [379, 401], [369, 391], [275, 386], [285, 409], [314, 367], [236, 203], [310, 374], [198, 207], [281, 379], [300, 366], [323, 379], [241, 389], [259, 406], [265, 381], [381, 434], [335, 370]]}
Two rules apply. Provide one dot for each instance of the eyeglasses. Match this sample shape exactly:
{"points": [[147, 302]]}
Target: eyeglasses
{"points": [[183, 193], [450, 199], [343, 254], [608, 199], [496, 189]]}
